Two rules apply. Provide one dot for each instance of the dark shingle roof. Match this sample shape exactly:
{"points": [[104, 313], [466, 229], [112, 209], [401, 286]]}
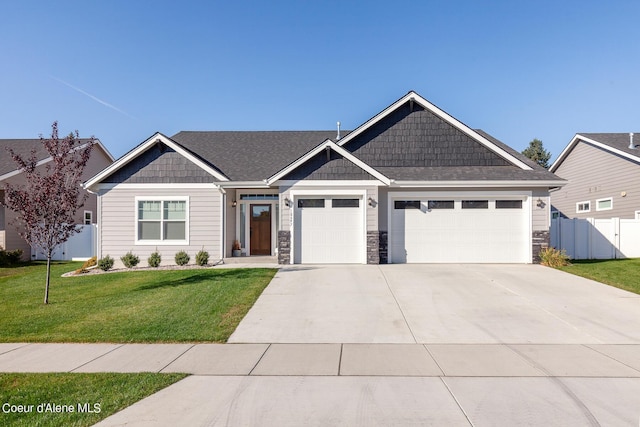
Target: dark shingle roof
{"points": [[467, 173], [619, 141], [22, 147], [251, 155]]}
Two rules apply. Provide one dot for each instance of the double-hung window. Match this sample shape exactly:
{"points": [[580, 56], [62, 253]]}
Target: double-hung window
{"points": [[162, 221]]}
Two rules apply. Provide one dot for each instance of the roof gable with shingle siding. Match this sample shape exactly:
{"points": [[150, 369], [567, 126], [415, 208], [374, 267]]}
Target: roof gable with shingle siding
{"points": [[412, 136], [159, 165], [334, 168]]}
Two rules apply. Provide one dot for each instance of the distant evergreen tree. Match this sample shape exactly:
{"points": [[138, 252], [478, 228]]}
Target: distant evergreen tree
{"points": [[536, 152]]}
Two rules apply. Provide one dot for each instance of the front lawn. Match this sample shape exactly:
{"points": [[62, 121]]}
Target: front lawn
{"points": [[200, 305], [33, 399], [621, 273]]}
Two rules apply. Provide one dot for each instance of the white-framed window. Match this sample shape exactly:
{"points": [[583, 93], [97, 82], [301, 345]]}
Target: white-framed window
{"points": [[583, 207], [88, 217], [604, 204], [162, 220]]}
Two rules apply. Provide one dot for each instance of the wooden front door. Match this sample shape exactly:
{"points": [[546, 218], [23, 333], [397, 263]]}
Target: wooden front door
{"points": [[260, 229]]}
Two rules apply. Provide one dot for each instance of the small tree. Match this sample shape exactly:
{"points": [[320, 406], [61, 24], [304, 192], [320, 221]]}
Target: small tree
{"points": [[47, 204], [536, 152]]}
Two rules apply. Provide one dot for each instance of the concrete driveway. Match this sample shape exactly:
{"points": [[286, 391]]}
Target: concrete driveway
{"points": [[439, 304]]}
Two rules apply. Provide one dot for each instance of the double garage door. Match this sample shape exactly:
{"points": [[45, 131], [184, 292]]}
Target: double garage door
{"points": [[465, 230], [328, 229], [331, 229]]}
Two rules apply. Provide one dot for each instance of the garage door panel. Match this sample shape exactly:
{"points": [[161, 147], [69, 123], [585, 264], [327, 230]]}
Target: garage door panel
{"points": [[459, 235], [329, 234]]}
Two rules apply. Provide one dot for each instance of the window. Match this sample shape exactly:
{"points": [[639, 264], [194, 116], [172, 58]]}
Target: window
{"points": [[345, 203], [583, 207], [406, 204], [311, 203], [162, 220], [508, 204], [604, 204], [475, 204], [258, 197], [88, 217], [555, 214], [440, 204]]}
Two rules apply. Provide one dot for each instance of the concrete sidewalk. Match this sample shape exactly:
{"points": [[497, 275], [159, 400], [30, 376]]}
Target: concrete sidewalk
{"points": [[420, 360], [362, 384]]}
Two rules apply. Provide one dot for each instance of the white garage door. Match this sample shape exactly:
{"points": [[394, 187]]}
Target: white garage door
{"points": [[328, 230], [449, 230]]}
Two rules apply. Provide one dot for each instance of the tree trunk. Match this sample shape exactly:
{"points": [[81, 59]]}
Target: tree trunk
{"points": [[46, 289]]}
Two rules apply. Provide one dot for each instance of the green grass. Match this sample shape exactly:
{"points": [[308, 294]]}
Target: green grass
{"points": [[621, 273], [108, 393], [199, 305]]}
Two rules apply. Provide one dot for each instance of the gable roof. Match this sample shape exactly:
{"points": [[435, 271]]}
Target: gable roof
{"points": [[398, 144], [146, 145], [412, 97], [614, 143], [23, 147], [328, 144]]}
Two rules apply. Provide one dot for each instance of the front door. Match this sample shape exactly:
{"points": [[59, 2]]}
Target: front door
{"points": [[260, 229]]}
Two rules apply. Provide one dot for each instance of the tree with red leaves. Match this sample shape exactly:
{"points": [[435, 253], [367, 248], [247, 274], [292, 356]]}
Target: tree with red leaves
{"points": [[48, 203]]}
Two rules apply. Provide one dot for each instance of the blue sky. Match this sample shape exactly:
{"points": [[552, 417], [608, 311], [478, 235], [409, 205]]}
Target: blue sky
{"points": [[121, 70]]}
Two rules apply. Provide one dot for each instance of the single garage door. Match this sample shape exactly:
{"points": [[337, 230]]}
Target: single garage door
{"points": [[328, 230], [465, 230]]}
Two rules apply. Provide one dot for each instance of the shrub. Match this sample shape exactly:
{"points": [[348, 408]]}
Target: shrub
{"points": [[182, 258], [105, 263], [202, 257], [553, 257], [130, 260], [88, 263], [9, 258], [154, 259]]}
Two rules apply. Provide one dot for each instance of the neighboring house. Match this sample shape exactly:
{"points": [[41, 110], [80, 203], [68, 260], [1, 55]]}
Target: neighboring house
{"points": [[9, 174], [603, 174], [412, 184]]}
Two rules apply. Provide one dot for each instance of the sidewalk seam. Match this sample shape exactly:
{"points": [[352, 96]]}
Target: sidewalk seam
{"points": [[96, 358], [455, 399], [259, 360], [176, 358], [398, 304]]}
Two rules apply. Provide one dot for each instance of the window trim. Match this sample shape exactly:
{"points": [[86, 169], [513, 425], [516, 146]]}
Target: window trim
{"points": [[162, 200], [578, 210], [84, 218], [602, 200]]}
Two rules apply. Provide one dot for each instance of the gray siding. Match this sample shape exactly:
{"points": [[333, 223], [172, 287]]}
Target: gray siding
{"points": [[117, 226], [593, 174], [160, 164], [418, 138]]}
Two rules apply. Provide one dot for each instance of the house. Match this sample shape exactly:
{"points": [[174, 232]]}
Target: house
{"points": [[412, 184], [9, 174], [603, 174]]}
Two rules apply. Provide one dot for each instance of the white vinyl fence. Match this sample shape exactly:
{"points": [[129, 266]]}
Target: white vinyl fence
{"points": [[80, 247], [596, 238]]}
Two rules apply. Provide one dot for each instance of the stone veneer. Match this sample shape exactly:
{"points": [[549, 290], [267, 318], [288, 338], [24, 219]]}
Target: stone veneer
{"points": [[373, 247], [284, 247], [539, 241]]}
